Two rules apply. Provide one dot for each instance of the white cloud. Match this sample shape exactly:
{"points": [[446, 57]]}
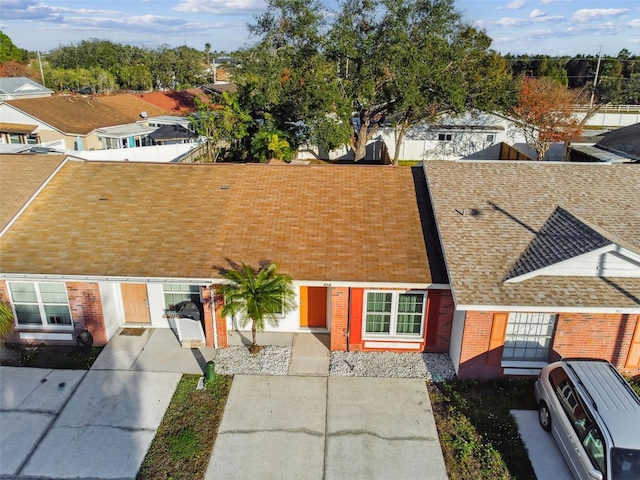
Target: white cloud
{"points": [[537, 13], [219, 6], [586, 14], [516, 4], [634, 23], [511, 22]]}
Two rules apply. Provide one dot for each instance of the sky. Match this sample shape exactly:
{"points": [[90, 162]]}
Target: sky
{"points": [[550, 27]]}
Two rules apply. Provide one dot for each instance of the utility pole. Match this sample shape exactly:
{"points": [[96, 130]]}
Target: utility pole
{"points": [[595, 80], [40, 63]]}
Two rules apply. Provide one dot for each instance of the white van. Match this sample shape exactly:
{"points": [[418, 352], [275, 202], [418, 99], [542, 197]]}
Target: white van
{"points": [[594, 416]]}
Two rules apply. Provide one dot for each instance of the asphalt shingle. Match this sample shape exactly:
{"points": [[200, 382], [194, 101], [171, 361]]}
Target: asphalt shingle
{"points": [[490, 213], [324, 223]]}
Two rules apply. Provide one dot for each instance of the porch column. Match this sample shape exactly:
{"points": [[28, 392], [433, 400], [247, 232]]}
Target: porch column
{"points": [[221, 322]]}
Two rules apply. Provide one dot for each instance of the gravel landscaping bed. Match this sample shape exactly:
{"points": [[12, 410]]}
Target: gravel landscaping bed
{"points": [[275, 361], [430, 366], [237, 360]]}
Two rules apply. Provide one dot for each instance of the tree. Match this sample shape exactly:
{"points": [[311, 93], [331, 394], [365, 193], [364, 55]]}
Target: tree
{"points": [[379, 60], [218, 122], [257, 295], [8, 51], [544, 114], [269, 143], [285, 80], [13, 68], [207, 49]]}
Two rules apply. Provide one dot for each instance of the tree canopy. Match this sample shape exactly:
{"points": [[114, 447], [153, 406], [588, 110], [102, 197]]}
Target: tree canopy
{"points": [[338, 78], [544, 114]]}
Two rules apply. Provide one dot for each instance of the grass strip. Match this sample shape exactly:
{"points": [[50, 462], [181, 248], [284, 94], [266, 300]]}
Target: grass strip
{"points": [[182, 446], [479, 437]]}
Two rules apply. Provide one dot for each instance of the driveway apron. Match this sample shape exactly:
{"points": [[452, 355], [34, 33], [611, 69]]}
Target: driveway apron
{"points": [[327, 428]]}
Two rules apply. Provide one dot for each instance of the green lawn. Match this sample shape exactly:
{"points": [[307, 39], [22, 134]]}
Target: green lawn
{"points": [[479, 437], [184, 441]]}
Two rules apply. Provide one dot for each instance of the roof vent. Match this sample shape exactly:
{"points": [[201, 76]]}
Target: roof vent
{"points": [[143, 114]]}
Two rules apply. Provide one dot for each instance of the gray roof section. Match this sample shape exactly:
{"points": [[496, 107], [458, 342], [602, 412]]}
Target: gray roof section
{"points": [[172, 132], [599, 153], [12, 86], [624, 141], [563, 236]]}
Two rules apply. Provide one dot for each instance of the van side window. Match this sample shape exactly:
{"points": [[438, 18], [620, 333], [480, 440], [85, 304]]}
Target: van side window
{"points": [[594, 445], [570, 401]]}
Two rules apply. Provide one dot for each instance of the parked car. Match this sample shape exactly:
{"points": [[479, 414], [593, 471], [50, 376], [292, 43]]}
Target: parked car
{"points": [[594, 417]]}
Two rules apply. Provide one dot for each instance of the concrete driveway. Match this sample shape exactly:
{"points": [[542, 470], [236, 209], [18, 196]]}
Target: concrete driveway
{"points": [[79, 424], [327, 428], [546, 459]]}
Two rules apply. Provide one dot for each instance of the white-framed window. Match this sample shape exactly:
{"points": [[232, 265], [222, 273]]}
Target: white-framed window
{"points": [[40, 304], [490, 137], [393, 313], [175, 293], [444, 137], [528, 336]]}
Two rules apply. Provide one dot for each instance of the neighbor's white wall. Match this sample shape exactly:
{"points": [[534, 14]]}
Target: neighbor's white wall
{"points": [[112, 308], [457, 330], [288, 323], [157, 153]]}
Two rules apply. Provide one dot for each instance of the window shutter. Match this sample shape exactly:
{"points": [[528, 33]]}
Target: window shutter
{"points": [[633, 359], [496, 341]]}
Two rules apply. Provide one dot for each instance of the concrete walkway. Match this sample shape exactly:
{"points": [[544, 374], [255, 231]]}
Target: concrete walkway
{"points": [[156, 350], [312, 427], [310, 354]]}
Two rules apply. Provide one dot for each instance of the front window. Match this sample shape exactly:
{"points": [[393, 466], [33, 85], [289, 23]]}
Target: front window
{"points": [[175, 293], [394, 313], [528, 336], [38, 304], [444, 137], [625, 464]]}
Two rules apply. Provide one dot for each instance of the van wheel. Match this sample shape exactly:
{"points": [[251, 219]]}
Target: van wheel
{"points": [[544, 416]]}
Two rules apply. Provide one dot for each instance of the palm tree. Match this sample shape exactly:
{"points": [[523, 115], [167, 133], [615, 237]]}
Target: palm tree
{"points": [[257, 295]]}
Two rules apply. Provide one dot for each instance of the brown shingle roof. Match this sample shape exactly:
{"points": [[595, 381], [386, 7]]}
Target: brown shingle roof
{"points": [[326, 223], [505, 205], [81, 115], [20, 177], [17, 128], [178, 102]]}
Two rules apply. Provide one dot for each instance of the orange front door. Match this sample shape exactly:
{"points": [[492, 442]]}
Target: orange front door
{"points": [[136, 302], [313, 307]]}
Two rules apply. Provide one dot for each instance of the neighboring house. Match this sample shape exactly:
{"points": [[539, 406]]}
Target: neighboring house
{"points": [[12, 88], [171, 134], [474, 136], [67, 119], [18, 134], [617, 146], [176, 102], [106, 245], [543, 260]]}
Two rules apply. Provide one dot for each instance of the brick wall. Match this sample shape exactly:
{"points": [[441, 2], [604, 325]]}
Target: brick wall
{"points": [[475, 345], [86, 309], [339, 318], [221, 323], [440, 320], [606, 336]]}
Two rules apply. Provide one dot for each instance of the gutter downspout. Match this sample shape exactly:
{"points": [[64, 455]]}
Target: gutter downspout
{"points": [[213, 316], [348, 318]]}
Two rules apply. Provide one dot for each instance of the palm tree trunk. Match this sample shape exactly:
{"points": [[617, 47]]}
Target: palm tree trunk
{"points": [[253, 333]]}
